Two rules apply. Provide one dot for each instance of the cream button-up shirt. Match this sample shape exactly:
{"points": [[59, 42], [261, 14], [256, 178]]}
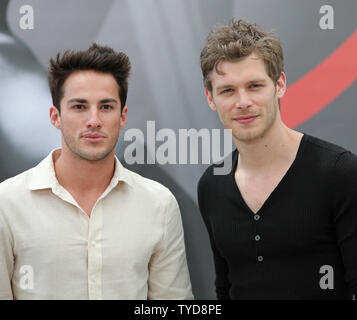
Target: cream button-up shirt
{"points": [[131, 247]]}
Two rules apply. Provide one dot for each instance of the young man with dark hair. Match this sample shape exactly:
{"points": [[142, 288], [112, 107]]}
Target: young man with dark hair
{"points": [[283, 223], [79, 225]]}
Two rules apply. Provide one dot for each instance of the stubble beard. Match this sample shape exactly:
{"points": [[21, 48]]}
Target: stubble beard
{"points": [[80, 152], [251, 135]]}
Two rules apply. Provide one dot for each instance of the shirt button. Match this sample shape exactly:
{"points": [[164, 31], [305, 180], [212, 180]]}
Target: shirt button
{"points": [[257, 237], [260, 258], [93, 278], [93, 243], [256, 217]]}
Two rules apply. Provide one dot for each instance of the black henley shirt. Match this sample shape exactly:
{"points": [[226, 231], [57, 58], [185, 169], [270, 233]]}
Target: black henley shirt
{"points": [[304, 234]]}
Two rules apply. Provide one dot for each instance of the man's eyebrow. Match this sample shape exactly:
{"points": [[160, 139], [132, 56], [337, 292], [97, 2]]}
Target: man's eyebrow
{"points": [[228, 85], [80, 100], [224, 86], [257, 80], [108, 100]]}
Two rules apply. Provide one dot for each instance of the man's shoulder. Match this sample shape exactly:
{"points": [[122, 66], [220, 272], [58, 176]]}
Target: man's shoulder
{"points": [[329, 158], [213, 176], [15, 184], [148, 187], [324, 146], [14, 192]]}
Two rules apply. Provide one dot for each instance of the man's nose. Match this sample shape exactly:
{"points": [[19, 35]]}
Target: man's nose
{"points": [[94, 120], [243, 100]]}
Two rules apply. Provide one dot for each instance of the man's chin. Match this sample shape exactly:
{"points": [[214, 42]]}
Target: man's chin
{"points": [[249, 136], [93, 156]]}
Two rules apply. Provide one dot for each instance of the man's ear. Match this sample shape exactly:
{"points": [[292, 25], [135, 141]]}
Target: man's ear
{"points": [[55, 117], [210, 101], [123, 117], [281, 86]]}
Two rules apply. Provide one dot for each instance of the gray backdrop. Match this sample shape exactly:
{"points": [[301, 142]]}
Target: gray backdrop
{"points": [[163, 39]]}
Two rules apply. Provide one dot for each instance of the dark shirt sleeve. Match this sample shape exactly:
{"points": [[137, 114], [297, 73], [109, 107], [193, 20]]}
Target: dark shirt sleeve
{"points": [[344, 186], [222, 282]]}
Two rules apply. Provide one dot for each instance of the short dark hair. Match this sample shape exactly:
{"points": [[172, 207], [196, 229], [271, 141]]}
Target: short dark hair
{"points": [[236, 41], [97, 58]]}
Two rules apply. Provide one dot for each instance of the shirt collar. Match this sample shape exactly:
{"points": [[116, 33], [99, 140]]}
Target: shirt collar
{"points": [[43, 175], [121, 174]]}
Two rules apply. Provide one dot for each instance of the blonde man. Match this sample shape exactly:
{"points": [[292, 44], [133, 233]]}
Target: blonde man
{"points": [[283, 223]]}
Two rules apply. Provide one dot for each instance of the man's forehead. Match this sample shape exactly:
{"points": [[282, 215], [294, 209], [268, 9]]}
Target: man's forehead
{"points": [[223, 65], [253, 67], [90, 82], [86, 87]]}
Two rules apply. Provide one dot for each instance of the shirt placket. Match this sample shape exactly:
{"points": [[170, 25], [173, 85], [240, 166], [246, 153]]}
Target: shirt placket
{"points": [[257, 237], [95, 253]]}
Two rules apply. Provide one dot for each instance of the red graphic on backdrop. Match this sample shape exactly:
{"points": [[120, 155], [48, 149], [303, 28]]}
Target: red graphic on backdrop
{"points": [[315, 90]]}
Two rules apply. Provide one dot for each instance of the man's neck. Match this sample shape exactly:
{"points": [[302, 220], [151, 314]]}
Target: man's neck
{"points": [[278, 146], [79, 175]]}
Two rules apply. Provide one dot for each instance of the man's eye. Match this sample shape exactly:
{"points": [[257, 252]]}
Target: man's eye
{"points": [[255, 85], [107, 107], [78, 107], [226, 91]]}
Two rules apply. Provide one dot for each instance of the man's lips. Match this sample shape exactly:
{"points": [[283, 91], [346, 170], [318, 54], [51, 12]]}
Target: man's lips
{"points": [[93, 137], [246, 119]]}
